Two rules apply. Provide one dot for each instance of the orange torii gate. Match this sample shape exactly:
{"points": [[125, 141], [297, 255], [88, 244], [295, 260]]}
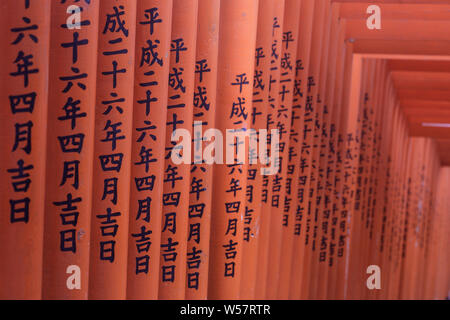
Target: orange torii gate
{"points": [[121, 180]]}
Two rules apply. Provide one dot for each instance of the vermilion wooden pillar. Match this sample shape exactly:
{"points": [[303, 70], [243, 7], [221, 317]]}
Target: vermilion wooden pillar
{"points": [[349, 155], [411, 243], [306, 162], [72, 88], [348, 116], [266, 7], [23, 121], [375, 179], [234, 101], [94, 205], [369, 88], [276, 181], [400, 233], [385, 157], [327, 159], [387, 225], [399, 205], [257, 220], [384, 140], [335, 162], [202, 173], [430, 174], [375, 110], [353, 183], [307, 14], [438, 257], [394, 200], [112, 148], [177, 176], [153, 35], [319, 126], [289, 135], [337, 266]]}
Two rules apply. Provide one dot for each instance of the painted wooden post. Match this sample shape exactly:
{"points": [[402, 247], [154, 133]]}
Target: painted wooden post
{"points": [[72, 88], [307, 14], [335, 162], [290, 135], [327, 160], [234, 105], [382, 179], [175, 219], [266, 192], [257, 220], [347, 152], [355, 183], [112, 148], [23, 121], [276, 181], [311, 106], [202, 173], [153, 35], [319, 125], [134, 152]]}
